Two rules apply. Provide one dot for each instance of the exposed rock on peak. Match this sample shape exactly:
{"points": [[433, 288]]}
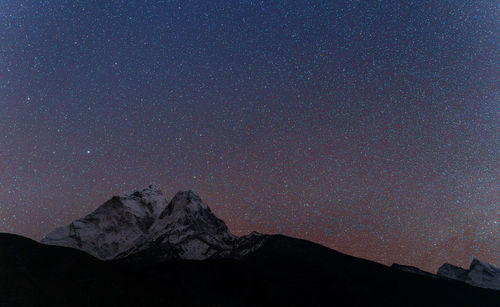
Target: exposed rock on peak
{"points": [[185, 202]]}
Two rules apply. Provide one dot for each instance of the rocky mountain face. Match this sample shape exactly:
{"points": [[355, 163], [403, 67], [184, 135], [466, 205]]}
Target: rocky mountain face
{"points": [[479, 274], [144, 224]]}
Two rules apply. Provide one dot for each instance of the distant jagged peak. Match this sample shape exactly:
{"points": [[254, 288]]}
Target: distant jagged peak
{"points": [[477, 263], [479, 274]]}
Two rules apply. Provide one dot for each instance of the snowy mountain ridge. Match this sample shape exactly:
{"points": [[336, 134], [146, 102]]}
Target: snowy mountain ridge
{"points": [[145, 223]]}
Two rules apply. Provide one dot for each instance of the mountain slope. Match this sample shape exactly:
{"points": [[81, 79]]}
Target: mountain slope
{"points": [[33, 274], [283, 272], [114, 228], [299, 267]]}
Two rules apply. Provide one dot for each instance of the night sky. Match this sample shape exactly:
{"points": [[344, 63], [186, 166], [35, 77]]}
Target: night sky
{"points": [[372, 127]]}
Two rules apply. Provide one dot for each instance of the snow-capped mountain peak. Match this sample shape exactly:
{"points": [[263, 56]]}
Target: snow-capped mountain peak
{"points": [[144, 223], [484, 275], [479, 274]]}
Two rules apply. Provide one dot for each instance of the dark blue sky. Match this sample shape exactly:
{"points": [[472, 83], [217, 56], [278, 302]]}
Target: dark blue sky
{"points": [[372, 127]]}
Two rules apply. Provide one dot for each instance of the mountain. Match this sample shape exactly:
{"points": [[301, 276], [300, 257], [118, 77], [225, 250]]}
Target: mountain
{"points": [[479, 274], [146, 225], [141, 250]]}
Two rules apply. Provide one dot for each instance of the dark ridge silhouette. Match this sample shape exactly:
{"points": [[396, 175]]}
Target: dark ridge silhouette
{"points": [[283, 272]]}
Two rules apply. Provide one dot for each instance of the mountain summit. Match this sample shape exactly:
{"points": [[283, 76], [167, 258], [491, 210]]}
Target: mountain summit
{"points": [[479, 274], [144, 224]]}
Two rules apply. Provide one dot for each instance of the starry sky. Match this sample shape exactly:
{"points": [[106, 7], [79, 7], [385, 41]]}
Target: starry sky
{"points": [[372, 127]]}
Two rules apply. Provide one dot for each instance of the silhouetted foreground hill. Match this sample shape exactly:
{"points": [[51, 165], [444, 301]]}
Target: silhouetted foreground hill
{"points": [[283, 272], [34, 274]]}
